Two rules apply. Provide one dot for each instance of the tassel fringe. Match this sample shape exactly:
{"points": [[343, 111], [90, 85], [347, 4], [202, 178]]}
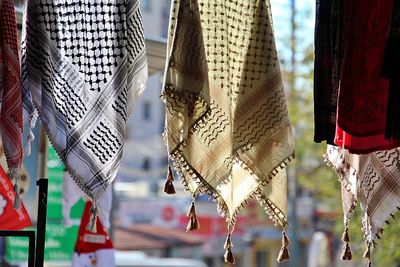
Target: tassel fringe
{"points": [[346, 252], [284, 254], [94, 213], [13, 174], [17, 199], [193, 223], [367, 255], [32, 122], [169, 185], [228, 256]]}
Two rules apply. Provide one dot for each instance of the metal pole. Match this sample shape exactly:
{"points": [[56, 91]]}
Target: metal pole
{"points": [[43, 154], [41, 221], [31, 235], [292, 188]]}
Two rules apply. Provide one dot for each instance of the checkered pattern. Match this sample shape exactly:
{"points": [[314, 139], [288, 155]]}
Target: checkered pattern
{"points": [[373, 179], [227, 127], [10, 86], [84, 66]]}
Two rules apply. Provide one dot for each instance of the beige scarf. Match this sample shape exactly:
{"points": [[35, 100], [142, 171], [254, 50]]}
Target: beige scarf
{"points": [[227, 127], [373, 180]]}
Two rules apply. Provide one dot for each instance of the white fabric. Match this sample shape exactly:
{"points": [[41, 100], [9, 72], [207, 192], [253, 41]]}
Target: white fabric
{"points": [[72, 193]]}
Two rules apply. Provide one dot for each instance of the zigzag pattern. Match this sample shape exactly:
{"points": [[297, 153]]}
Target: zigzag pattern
{"points": [[103, 143], [135, 35], [215, 125], [390, 158], [66, 100], [266, 117], [370, 180], [121, 104]]}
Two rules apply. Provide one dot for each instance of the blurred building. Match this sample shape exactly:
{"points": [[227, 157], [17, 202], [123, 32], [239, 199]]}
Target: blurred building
{"points": [[145, 155]]}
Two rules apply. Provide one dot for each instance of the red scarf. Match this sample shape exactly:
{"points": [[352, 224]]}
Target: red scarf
{"points": [[10, 87], [363, 92]]}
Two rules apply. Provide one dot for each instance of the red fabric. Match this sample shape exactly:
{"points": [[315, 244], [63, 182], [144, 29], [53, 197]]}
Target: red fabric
{"points": [[10, 86], [363, 92], [10, 218], [87, 241], [362, 145]]}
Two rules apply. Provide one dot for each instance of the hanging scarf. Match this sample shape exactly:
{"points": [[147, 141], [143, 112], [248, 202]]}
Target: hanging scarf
{"points": [[84, 65], [373, 180], [10, 93], [362, 144], [363, 93], [328, 44], [227, 127], [391, 70]]}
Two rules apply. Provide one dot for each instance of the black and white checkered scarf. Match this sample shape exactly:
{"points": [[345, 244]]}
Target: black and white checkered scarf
{"points": [[84, 65]]}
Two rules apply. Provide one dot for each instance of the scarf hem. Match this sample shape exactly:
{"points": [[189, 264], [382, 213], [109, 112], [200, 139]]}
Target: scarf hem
{"points": [[72, 173], [341, 166], [180, 162]]}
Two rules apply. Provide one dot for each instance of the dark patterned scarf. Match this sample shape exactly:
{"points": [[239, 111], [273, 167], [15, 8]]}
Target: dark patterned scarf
{"points": [[391, 70], [328, 44], [363, 94]]}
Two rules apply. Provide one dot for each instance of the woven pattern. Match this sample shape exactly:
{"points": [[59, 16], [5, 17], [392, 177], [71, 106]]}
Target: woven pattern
{"points": [[10, 87], [373, 180], [364, 92], [84, 66], [227, 127]]}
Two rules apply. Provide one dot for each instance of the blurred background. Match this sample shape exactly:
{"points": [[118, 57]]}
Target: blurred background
{"points": [[145, 219]]}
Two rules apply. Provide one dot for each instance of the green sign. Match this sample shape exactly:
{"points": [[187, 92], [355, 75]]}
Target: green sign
{"points": [[60, 241]]}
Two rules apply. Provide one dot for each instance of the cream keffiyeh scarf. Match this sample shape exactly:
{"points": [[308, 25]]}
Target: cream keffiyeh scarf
{"points": [[227, 127], [372, 179], [85, 65]]}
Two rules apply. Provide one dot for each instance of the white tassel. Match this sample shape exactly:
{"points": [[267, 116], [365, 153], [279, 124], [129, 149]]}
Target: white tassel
{"points": [[32, 122], [94, 213], [17, 199], [13, 174], [27, 149]]}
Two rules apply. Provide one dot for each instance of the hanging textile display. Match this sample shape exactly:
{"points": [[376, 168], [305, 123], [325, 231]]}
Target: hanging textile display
{"points": [[10, 93], [390, 70], [371, 179], [367, 123], [328, 43], [227, 128], [363, 93], [84, 66]]}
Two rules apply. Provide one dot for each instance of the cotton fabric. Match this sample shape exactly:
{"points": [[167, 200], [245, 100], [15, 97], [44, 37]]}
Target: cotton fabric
{"points": [[227, 127], [328, 39], [84, 67], [371, 179], [10, 88], [363, 93], [71, 194]]}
